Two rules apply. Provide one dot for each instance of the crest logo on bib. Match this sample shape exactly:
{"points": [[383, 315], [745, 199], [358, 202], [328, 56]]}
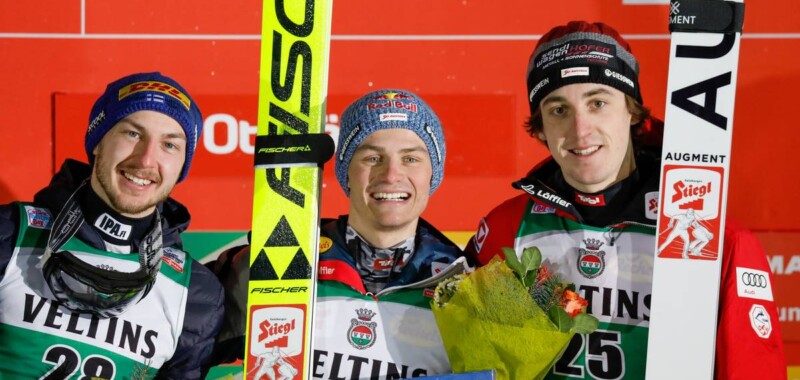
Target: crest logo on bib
{"points": [[591, 260], [361, 334]]}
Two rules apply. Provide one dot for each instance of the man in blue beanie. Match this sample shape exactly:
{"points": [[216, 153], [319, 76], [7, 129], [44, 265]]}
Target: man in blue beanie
{"points": [[82, 285], [379, 264]]}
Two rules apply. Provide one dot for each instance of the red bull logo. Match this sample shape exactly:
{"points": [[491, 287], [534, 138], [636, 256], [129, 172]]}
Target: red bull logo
{"points": [[156, 87], [392, 96], [411, 107], [394, 100]]}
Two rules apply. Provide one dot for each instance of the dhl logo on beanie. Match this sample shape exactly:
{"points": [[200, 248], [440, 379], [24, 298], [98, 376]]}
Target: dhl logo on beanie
{"points": [[157, 87]]}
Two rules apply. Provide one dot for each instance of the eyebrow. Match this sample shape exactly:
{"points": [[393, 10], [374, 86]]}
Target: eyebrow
{"points": [[417, 148], [587, 94], [142, 129]]}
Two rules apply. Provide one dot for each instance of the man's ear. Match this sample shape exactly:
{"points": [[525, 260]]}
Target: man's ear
{"points": [[540, 136]]}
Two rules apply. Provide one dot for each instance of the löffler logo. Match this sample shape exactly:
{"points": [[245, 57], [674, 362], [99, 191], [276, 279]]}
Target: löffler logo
{"points": [[276, 331], [690, 212]]}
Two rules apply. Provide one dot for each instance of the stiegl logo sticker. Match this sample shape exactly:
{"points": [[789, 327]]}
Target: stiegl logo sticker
{"points": [[651, 205], [689, 216], [276, 340]]}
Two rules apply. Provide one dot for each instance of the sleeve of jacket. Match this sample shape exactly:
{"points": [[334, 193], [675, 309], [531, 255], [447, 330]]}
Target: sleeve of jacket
{"points": [[496, 230], [9, 225], [201, 324], [233, 270], [749, 341]]}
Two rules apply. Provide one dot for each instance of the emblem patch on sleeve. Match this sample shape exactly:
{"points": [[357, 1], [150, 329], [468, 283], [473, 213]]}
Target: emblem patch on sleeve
{"points": [[480, 235], [752, 283], [760, 320], [37, 217]]}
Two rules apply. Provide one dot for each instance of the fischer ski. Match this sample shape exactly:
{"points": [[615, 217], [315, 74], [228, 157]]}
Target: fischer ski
{"points": [[290, 150], [698, 129]]}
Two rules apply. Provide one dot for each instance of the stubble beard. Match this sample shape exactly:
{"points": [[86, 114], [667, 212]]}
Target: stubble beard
{"points": [[132, 205]]}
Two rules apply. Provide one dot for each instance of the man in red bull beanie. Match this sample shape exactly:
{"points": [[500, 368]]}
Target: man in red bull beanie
{"points": [[588, 210], [376, 263], [82, 285]]}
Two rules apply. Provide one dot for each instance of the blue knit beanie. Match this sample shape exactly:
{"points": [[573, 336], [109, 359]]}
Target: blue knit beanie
{"points": [[388, 109], [140, 92]]}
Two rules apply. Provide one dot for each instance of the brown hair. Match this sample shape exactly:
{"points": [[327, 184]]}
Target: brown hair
{"points": [[535, 124]]}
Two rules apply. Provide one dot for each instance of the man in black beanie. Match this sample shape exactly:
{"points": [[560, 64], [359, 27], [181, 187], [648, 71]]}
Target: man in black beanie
{"points": [[591, 209]]}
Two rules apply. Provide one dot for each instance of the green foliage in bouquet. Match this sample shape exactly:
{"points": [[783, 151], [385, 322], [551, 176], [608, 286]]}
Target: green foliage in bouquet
{"points": [[550, 292]]}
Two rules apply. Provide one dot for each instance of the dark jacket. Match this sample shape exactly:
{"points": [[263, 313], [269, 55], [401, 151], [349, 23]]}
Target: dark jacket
{"points": [[204, 309]]}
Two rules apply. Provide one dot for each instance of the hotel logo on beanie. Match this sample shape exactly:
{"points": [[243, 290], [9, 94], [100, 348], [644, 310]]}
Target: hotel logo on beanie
{"points": [[581, 52], [145, 92], [389, 109]]}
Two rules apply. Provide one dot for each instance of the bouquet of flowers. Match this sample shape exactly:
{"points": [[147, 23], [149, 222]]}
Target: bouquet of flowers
{"points": [[515, 317]]}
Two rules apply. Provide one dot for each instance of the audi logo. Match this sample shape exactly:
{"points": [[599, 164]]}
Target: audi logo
{"points": [[753, 279]]}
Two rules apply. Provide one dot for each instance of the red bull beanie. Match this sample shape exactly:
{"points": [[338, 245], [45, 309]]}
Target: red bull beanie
{"points": [[388, 109], [140, 92], [581, 52]]}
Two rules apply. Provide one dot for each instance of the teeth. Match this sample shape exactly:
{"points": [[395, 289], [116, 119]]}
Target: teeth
{"points": [[583, 152], [137, 180], [390, 196]]}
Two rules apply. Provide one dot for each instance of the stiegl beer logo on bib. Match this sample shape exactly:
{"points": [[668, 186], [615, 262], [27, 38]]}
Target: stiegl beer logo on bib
{"points": [[591, 260], [361, 333]]}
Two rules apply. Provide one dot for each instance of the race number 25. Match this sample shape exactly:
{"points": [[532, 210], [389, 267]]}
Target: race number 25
{"points": [[604, 358]]}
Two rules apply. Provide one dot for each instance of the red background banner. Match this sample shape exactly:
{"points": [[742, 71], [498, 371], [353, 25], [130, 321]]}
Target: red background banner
{"points": [[468, 58]]}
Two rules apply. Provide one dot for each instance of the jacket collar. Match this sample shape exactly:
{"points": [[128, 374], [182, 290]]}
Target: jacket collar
{"points": [[626, 200], [175, 217]]}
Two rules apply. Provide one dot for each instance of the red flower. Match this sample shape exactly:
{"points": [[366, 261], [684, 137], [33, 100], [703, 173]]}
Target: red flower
{"points": [[572, 303], [542, 276]]}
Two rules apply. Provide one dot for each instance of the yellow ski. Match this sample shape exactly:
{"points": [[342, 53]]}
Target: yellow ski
{"points": [[289, 154]]}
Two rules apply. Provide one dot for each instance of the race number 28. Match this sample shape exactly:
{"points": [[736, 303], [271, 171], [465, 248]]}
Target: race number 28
{"points": [[66, 361]]}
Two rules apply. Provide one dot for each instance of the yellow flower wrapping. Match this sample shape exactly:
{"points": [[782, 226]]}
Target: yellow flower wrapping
{"points": [[491, 322]]}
